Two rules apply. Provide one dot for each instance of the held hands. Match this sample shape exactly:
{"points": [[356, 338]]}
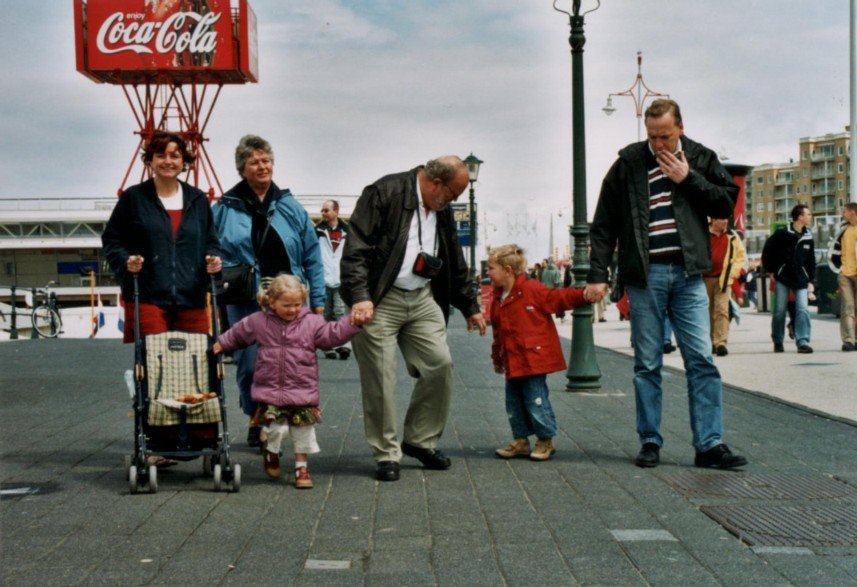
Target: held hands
{"points": [[213, 264], [477, 321], [676, 168], [216, 348], [134, 264], [362, 313], [319, 310], [594, 292]]}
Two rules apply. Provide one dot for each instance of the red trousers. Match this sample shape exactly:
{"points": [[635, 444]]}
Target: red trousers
{"points": [[156, 319]]}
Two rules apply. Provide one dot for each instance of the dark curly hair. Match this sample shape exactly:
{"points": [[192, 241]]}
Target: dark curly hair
{"points": [[159, 143]]}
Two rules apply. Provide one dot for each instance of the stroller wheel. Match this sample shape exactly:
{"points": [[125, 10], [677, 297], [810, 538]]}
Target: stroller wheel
{"points": [[236, 479], [153, 479], [132, 479], [217, 473], [127, 465], [206, 465]]}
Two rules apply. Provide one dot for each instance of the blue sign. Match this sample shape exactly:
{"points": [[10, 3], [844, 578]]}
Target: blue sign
{"points": [[461, 215]]}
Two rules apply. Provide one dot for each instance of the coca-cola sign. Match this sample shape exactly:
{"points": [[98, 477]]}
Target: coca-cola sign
{"points": [[159, 34]]}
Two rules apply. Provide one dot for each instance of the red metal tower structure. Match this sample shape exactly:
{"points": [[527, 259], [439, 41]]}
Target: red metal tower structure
{"points": [[171, 58]]}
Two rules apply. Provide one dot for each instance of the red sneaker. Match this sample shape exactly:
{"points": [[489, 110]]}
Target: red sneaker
{"points": [[302, 478], [271, 464]]}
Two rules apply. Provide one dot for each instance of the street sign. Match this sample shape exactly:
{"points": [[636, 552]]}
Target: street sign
{"points": [[461, 215]]}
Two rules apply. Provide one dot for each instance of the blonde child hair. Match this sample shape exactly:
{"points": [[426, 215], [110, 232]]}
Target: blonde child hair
{"points": [[280, 285], [509, 255]]}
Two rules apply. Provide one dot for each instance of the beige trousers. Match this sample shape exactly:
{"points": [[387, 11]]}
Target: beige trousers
{"points": [[414, 322], [718, 310], [847, 318]]}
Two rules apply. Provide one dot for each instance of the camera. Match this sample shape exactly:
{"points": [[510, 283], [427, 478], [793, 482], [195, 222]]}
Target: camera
{"points": [[427, 266]]}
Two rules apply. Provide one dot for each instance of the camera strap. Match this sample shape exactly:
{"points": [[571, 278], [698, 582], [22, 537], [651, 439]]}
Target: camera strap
{"points": [[419, 213]]}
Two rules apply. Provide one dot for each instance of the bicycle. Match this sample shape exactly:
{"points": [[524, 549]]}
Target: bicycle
{"points": [[46, 317]]}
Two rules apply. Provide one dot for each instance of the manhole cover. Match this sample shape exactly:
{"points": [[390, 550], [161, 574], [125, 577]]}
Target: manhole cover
{"points": [[760, 486], [821, 525]]}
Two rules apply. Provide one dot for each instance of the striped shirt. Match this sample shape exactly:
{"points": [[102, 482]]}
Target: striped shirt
{"points": [[663, 234]]}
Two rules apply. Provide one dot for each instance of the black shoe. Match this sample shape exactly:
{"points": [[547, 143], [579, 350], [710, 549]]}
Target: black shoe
{"points": [[721, 350], [430, 458], [848, 347], [387, 471], [804, 349], [331, 354], [668, 348], [253, 436], [344, 352], [719, 457], [649, 455], [778, 347]]}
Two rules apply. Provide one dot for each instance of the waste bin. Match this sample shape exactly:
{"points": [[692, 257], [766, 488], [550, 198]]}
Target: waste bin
{"points": [[826, 288]]}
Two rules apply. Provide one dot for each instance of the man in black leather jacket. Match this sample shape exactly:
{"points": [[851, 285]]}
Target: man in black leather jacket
{"points": [[655, 202], [398, 219]]}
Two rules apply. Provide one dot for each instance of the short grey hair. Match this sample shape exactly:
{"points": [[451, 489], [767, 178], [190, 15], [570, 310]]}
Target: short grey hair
{"points": [[245, 148], [444, 168]]}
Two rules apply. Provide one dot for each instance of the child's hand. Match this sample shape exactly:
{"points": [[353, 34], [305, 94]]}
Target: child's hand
{"points": [[217, 349], [499, 369]]}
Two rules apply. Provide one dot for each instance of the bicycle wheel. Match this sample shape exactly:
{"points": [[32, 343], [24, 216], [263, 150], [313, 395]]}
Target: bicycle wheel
{"points": [[46, 321]]}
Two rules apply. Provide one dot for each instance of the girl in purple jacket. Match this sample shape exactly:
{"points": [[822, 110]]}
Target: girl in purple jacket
{"points": [[285, 381]]}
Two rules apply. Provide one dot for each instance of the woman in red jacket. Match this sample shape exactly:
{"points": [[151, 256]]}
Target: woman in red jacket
{"points": [[526, 348]]}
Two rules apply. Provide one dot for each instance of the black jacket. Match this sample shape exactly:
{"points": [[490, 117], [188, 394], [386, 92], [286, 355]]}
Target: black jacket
{"points": [[790, 257], [173, 270], [376, 245], [622, 213]]}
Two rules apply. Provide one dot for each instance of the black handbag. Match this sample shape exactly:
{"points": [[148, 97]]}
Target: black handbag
{"points": [[237, 285]]}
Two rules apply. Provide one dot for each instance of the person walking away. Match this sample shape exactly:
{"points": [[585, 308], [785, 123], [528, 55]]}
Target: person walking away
{"points": [[727, 260], [264, 230], [522, 313], [332, 232], [401, 269], [789, 256], [666, 188], [842, 259], [285, 376]]}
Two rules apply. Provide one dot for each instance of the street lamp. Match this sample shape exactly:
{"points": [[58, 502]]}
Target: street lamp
{"points": [[583, 372], [473, 164], [636, 93]]}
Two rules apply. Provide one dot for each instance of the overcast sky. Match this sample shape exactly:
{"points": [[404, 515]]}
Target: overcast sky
{"points": [[352, 90]]}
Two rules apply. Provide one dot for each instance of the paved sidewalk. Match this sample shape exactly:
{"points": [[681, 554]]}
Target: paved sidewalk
{"points": [[587, 517], [824, 382]]}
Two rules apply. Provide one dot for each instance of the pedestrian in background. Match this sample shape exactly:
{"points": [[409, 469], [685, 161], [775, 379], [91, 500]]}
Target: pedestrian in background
{"points": [[332, 232], [521, 315], [266, 231], [842, 259], [285, 376], [789, 256], [666, 188], [727, 261]]}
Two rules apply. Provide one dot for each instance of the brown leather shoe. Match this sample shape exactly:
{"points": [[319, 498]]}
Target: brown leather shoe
{"points": [[302, 478], [520, 447], [543, 451], [271, 464]]}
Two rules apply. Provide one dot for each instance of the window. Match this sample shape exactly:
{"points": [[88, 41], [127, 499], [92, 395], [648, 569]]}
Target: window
{"points": [[770, 206], [770, 179], [760, 179], [825, 150], [840, 150], [805, 155], [760, 193], [760, 207], [841, 203], [840, 185], [840, 168], [760, 221]]}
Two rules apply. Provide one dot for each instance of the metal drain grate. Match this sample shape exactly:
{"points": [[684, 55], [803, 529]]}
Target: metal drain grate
{"points": [[819, 525], [760, 486]]}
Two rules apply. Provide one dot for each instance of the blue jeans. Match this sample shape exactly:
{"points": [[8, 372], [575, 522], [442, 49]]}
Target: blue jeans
{"points": [[671, 293], [245, 359], [803, 328], [529, 408], [668, 332]]}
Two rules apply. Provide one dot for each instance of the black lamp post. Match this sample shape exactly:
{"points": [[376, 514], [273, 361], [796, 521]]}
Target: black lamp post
{"points": [[583, 372], [473, 164]]}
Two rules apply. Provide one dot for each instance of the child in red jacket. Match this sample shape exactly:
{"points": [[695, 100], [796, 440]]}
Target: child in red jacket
{"points": [[526, 348]]}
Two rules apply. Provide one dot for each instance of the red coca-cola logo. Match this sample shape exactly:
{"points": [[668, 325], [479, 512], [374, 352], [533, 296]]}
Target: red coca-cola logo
{"points": [[179, 32]]}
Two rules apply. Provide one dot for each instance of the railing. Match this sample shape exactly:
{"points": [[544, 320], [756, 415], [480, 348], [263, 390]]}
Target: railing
{"points": [[13, 311]]}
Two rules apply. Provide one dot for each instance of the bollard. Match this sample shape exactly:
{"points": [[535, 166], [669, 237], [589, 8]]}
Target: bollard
{"points": [[13, 329], [33, 332], [762, 294]]}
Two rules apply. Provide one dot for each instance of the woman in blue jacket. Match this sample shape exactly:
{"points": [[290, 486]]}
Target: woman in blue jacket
{"points": [[265, 227], [163, 230]]}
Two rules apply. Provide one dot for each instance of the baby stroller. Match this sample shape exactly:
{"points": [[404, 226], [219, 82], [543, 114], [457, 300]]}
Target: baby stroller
{"points": [[179, 406]]}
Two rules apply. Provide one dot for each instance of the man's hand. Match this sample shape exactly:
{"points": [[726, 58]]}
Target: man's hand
{"points": [[362, 313], [676, 168], [477, 321], [134, 264], [319, 310], [594, 292]]}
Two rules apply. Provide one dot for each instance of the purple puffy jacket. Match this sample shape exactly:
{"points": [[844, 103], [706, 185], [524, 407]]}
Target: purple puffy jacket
{"points": [[286, 372]]}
